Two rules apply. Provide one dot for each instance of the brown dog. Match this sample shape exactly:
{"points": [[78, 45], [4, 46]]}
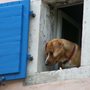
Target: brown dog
{"points": [[64, 52]]}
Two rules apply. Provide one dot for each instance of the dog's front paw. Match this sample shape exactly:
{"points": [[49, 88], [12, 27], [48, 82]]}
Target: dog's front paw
{"points": [[60, 68]]}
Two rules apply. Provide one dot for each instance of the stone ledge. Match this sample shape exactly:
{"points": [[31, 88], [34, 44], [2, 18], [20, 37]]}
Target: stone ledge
{"points": [[80, 84], [59, 75]]}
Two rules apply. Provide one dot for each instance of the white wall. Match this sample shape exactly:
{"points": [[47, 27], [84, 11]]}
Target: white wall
{"points": [[85, 57], [45, 34], [34, 35]]}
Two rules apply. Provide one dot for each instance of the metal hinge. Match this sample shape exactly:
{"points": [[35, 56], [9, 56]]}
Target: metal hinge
{"points": [[2, 80], [30, 58], [32, 14]]}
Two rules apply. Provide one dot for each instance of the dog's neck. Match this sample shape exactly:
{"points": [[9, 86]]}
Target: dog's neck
{"points": [[69, 58], [71, 53]]}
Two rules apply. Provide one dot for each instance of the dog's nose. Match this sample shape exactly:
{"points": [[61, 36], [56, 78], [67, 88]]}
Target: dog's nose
{"points": [[46, 63]]}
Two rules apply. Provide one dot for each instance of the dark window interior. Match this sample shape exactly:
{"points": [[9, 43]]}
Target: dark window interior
{"points": [[69, 31], [75, 11]]}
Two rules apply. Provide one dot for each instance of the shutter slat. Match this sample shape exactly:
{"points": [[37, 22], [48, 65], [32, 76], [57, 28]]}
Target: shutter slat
{"points": [[12, 61], [9, 11]]}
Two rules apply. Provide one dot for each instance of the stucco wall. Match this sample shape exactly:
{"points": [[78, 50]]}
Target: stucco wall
{"points": [[85, 57], [34, 35], [44, 35]]}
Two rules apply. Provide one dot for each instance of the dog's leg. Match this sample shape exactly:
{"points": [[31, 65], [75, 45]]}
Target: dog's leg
{"points": [[60, 66]]}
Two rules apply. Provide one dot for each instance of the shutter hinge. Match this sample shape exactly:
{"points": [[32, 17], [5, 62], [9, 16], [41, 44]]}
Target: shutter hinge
{"points": [[32, 14], [30, 58], [2, 80]]}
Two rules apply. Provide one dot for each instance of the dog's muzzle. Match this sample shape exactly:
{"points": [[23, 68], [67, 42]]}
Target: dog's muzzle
{"points": [[46, 62]]}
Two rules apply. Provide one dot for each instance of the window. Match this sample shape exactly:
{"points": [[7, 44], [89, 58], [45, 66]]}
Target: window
{"points": [[53, 24]]}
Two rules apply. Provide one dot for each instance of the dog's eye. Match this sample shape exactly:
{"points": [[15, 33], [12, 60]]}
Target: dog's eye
{"points": [[51, 53]]}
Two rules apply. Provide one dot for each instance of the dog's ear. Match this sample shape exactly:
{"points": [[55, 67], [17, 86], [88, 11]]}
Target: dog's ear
{"points": [[58, 49], [56, 53]]}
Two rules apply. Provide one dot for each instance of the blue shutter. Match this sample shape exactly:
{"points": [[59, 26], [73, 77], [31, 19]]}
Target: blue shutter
{"points": [[14, 27], [10, 39]]}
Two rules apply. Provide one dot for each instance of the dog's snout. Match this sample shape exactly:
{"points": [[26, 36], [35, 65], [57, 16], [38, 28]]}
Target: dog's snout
{"points": [[46, 63]]}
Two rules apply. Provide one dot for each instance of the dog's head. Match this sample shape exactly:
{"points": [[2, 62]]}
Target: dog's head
{"points": [[54, 51]]}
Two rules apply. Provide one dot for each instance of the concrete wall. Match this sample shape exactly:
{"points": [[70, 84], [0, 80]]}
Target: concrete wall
{"points": [[44, 35], [34, 35], [47, 31], [86, 35]]}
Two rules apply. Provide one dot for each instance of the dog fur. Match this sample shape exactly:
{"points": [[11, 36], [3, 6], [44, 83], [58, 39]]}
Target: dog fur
{"points": [[64, 52]]}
